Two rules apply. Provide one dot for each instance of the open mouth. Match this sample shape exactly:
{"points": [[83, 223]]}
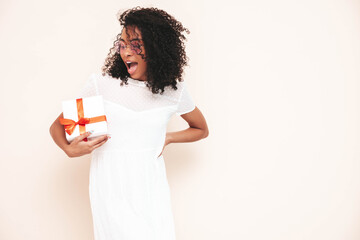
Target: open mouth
{"points": [[131, 66]]}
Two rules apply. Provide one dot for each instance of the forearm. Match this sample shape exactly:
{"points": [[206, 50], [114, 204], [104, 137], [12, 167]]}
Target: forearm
{"points": [[58, 134], [188, 135]]}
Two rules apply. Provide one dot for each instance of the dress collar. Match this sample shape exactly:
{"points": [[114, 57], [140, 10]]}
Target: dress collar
{"points": [[137, 82]]}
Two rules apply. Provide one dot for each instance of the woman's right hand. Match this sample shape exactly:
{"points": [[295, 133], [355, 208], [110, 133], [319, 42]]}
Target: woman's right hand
{"points": [[78, 147]]}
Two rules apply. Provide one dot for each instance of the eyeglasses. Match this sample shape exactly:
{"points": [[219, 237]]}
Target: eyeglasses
{"points": [[135, 46]]}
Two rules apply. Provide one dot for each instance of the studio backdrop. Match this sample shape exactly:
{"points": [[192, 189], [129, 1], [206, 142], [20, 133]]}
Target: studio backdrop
{"points": [[277, 81]]}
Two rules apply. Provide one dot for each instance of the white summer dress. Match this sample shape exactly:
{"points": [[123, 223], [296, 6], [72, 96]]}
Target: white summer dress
{"points": [[128, 187]]}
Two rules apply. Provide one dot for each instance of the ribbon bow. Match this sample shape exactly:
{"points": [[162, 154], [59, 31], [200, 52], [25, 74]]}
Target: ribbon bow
{"points": [[70, 124]]}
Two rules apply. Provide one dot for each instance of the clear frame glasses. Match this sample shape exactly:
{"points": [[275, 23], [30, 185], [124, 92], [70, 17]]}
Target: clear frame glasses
{"points": [[135, 46]]}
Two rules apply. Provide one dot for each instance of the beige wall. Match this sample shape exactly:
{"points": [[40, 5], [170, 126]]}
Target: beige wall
{"points": [[278, 82]]}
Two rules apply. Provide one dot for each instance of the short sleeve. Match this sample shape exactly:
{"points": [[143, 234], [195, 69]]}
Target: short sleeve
{"points": [[186, 103], [89, 88]]}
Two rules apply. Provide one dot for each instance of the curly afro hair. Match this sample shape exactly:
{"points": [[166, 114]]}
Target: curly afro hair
{"points": [[164, 44]]}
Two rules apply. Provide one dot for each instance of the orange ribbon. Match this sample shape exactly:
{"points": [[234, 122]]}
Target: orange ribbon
{"points": [[71, 124]]}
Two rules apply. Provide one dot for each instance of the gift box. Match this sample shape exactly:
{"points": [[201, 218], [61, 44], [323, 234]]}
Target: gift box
{"points": [[82, 115]]}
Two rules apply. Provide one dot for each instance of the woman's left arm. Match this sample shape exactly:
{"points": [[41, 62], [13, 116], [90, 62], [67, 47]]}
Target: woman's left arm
{"points": [[197, 130]]}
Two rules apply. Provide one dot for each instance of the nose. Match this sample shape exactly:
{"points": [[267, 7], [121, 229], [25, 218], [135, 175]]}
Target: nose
{"points": [[128, 51]]}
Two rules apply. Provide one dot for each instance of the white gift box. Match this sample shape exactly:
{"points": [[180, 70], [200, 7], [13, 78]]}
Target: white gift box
{"points": [[92, 108]]}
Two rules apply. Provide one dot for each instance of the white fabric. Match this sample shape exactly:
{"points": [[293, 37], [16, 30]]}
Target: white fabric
{"points": [[128, 187]]}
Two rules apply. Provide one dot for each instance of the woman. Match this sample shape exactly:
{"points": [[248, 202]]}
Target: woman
{"points": [[129, 192]]}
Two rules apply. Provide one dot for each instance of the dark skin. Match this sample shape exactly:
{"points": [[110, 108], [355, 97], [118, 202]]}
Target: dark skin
{"points": [[197, 124], [77, 147], [197, 129]]}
